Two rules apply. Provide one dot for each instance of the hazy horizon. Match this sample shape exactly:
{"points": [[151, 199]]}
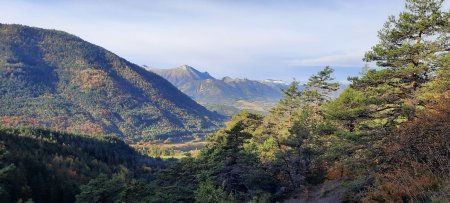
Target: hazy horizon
{"points": [[243, 39]]}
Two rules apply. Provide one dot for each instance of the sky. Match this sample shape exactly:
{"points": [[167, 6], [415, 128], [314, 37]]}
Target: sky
{"points": [[239, 38]]}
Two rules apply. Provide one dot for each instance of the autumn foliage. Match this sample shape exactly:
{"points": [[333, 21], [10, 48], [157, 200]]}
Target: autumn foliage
{"points": [[417, 157]]}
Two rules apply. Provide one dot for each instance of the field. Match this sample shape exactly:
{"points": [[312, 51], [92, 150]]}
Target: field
{"points": [[170, 150]]}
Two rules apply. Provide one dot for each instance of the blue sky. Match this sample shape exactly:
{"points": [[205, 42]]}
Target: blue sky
{"points": [[247, 39]]}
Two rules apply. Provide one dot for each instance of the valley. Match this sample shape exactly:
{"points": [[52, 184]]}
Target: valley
{"points": [[81, 124]]}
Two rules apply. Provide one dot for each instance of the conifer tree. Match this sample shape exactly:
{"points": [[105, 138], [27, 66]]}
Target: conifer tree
{"points": [[319, 88], [289, 104], [411, 49]]}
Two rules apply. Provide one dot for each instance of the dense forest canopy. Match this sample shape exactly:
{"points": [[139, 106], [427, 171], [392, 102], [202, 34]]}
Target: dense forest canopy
{"points": [[50, 166], [385, 138]]}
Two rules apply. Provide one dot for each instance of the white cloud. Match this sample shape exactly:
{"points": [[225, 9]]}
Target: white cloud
{"points": [[350, 59]]}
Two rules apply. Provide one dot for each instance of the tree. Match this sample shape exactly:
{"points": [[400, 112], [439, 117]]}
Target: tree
{"points": [[319, 87], [411, 48], [290, 103], [288, 128], [207, 193], [5, 180], [348, 109], [178, 181], [234, 167], [102, 189], [414, 41], [137, 192], [401, 148], [279, 145]]}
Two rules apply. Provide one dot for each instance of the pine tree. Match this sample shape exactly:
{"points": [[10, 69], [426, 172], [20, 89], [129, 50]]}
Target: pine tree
{"points": [[414, 41], [289, 104], [101, 189], [319, 88], [411, 48], [348, 109]]}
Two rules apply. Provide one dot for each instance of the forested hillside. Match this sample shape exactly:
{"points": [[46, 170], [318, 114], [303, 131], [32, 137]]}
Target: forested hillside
{"points": [[53, 79], [50, 166]]}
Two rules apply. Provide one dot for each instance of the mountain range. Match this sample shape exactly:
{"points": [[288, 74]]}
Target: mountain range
{"points": [[53, 79], [227, 95]]}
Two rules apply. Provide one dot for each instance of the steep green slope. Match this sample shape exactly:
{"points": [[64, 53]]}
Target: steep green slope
{"points": [[50, 166], [53, 79]]}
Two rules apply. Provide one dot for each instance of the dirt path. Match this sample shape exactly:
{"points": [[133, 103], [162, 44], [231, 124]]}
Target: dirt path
{"points": [[328, 192]]}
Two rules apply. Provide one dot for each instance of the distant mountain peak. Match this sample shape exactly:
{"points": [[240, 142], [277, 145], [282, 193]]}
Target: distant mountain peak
{"points": [[187, 68], [182, 74], [196, 74]]}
